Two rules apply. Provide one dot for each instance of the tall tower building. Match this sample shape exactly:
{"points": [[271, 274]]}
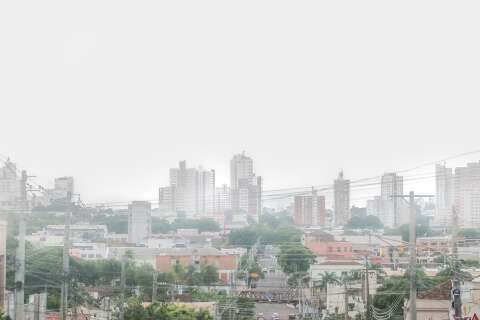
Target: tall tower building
{"points": [[309, 210], [341, 194], [392, 213], [444, 195], [246, 188], [467, 194], [191, 191], [223, 198], [10, 185], [139, 222]]}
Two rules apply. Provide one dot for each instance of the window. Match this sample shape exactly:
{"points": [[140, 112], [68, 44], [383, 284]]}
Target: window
{"points": [[330, 249], [339, 249]]}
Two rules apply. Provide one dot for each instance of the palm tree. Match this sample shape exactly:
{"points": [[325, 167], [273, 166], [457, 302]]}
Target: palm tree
{"points": [[328, 278]]}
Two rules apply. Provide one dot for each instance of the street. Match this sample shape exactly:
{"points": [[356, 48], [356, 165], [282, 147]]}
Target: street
{"points": [[268, 309]]}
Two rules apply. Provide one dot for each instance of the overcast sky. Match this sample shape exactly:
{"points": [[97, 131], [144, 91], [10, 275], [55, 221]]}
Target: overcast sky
{"points": [[116, 92]]}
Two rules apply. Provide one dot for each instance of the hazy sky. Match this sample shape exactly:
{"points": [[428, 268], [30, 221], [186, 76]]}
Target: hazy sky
{"points": [[116, 92]]}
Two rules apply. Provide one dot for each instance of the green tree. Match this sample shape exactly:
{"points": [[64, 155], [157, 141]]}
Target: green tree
{"points": [[209, 275], [328, 278], [295, 258], [365, 222]]}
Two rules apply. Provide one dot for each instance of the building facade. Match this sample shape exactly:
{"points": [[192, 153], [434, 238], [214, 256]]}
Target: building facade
{"points": [[444, 186], [392, 208], [309, 210], [341, 194], [246, 188], [10, 186], [139, 222], [223, 198], [191, 191]]}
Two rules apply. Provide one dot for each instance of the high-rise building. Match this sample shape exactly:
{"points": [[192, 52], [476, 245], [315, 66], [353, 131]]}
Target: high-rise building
{"points": [[392, 208], [63, 186], [3, 262], [10, 186], [444, 185], [341, 194], [467, 195], [309, 210], [191, 191], [139, 222], [246, 188], [223, 198]]}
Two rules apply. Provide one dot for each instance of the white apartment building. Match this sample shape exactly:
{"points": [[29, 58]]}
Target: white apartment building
{"points": [[10, 186], [223, 198], [191, 191], [393, 211], [444, 197], [246, 188], [139, 222]]}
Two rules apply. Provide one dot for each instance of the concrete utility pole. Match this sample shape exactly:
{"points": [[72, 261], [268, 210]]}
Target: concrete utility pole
{"points": [[66, 259], [367, 289], [457, 298], [345, 316], [154, 286], [20, 253], [412, 248], [123, 280]]}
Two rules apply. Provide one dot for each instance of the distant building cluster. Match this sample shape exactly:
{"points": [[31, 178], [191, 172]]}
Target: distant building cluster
{"points": [[458, 193], [194, 193]]}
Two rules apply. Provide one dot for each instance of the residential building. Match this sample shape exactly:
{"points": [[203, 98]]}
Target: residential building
{"points": [[341, 194], [226, 264], [78, 232], [139, 222], [309, 210], [191, 191], [3, 262], [223, 199], [323, 244], [11, 185], [393, 211], [335, 300], [433, 304], [444, 196], [246, 188], [63, 187], [89, 250], [467, 195]]}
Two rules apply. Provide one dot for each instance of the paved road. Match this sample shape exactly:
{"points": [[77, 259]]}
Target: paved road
{"points": [[274, 277], [268, 309]]}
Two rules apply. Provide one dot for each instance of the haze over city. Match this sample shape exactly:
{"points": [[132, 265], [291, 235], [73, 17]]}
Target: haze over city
{"points": [[249, 160]]}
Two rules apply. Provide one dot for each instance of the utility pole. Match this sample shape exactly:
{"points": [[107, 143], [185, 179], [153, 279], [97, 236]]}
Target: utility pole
{"points": [[20, 252], [66, 259], [345, 316], [154, 286], [367, 289], [412, 248], [457, 298], [123, 280]]}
